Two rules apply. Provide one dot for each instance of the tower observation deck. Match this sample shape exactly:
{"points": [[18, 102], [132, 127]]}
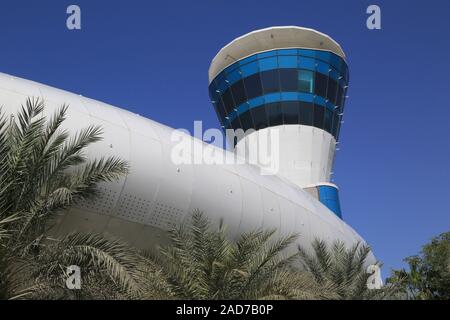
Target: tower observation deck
{"points": [[291, 79]]}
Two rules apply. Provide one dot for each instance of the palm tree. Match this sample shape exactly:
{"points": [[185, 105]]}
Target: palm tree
{"points": [[343, 269], [204, 264], [43, 171]]}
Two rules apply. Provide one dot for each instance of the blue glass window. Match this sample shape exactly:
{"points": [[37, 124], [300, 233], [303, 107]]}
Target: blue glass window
{"points": [[247, 60], [259, 118], [267, 54], [268, 64], [334, 74], [335, 125], [221, 85], [253, 86], [249, 69], [289, 52], [235, 124], [228, 101], [256, 102], [306, 97], [290, 112], [270, 81], [307, 63], [246, 120], [307, 53], [274, 114], [328, 120], [320, 84], [339, 96], [289, 86], [322, 67], [243, 107], [306, 113], [272, 97], [320, 100], [289, 96], [305, 81], [288, 79], [318, 116], [331, 91], [324, 56], [335, 61], [218, 104], [287, 61], [230, 68], [233, 77], [238, 91]]}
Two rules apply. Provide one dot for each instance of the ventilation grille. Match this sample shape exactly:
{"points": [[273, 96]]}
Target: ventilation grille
{"points": [[133, 208], [165, 216], [103, 203]]}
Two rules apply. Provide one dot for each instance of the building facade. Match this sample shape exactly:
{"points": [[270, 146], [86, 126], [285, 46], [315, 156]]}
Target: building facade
{"points": [[288, 79]]}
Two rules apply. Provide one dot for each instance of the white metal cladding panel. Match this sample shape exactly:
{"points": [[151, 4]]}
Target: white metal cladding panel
{"points": [[252, 206], [290, 152], [164, 133], [330, 163], [287, 189], [73, 117], [141, 184], [139, 125], [329, 154], [115, 143], [10, 101], [287, 216], [218, 193], [56, 98], [304, 152], [76, 120], [334, 227], [174, 193], [322, 212], [81, 220], [329, 216], [347, 238], [302, 221], [323, 160], [306, 142], [284, 189], [122, 229], [24, 88], [317, 143], [150, 236], [271, 209], [320, 228], [99, 110]]}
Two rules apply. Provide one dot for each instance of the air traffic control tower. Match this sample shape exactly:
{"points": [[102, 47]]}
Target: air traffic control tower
{"points": [[293, 80]]}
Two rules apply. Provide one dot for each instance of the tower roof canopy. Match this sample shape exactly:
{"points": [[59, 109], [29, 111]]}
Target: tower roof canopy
{"points": [[269, 39]]}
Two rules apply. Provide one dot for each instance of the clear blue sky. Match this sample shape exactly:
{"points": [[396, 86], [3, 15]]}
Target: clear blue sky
{"points": [[152, 57]]}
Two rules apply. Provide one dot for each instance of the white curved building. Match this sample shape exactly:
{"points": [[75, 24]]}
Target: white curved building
{"points": [[158, 194]]}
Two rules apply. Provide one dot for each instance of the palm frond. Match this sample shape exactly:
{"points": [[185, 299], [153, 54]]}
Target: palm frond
{"points": [[42, 171]]}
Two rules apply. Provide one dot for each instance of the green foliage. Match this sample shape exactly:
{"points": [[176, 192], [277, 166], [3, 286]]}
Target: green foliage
{"points": [[343, 269], [43, 171], [428, 274], [204, 264]]}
